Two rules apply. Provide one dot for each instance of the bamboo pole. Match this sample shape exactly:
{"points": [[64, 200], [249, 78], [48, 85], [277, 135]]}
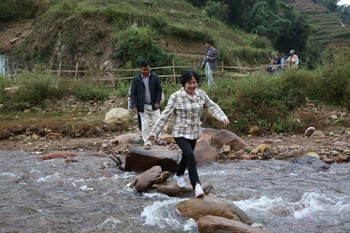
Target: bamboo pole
{"points": [[174, 72]]}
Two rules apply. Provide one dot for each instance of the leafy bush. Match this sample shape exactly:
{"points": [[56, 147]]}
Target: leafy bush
{"points": [[136, 44], [90, 91], [334, 83], [35, 88]]}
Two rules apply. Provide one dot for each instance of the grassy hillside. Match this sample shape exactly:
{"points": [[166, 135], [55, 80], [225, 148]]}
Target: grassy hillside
{"points": [[328, 28], [92, 32]]}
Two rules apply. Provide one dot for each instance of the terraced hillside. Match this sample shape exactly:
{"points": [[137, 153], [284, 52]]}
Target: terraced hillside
{"points": [[328, 28], [94, 31]]}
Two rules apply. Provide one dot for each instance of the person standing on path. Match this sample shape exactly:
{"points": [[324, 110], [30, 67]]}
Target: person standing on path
{"points": [[293, 60], [187, 105], [146, 94], [210, 59]]}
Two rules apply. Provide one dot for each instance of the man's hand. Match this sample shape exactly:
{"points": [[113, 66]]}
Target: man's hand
{"points": [[226, 122], [135, 110], [156, 106], [207, 58], [150, 138]]}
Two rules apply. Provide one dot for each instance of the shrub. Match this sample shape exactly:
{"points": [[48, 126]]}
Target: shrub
{"points": [[35, 88], [136, 44], [90, 91], [333, 84]]}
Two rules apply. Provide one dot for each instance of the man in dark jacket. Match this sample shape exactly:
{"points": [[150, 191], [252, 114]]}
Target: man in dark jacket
{"points": [[146, 93]]}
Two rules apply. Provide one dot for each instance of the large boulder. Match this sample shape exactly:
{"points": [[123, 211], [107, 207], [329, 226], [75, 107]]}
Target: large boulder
{"points": [[139, 159], [203, 151], [57, 155], [118, 116], [208, 205], [209, 224], [171, 189], [313, 162], [228, 138], [147, 179], [133, 138], [208, 134]]}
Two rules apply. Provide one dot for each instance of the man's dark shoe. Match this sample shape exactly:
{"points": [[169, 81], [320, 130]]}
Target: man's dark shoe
{"points": [[161, 143], [147, 147]]}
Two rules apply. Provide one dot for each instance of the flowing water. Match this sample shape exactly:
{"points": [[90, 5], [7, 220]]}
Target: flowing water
{"points": [[62, 196]]}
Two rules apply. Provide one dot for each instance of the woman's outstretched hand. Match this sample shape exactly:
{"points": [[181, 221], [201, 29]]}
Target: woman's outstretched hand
{"points": [[226, 122], [150, 138]]}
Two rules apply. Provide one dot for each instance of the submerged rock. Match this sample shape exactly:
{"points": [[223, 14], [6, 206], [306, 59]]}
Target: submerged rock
{"points": [[171, 189], [229, 138], [315, 163], [209, 224], [57, 155], [208, 205], [139, 159], [147, 179]]}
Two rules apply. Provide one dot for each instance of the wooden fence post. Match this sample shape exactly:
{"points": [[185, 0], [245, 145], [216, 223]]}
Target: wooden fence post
{"points": [[240, 67], [35, 67], [194, 65], [76, 68], [59, 69], [222, 67], [174, 72]]}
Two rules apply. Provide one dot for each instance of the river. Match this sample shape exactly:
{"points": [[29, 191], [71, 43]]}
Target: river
{"points": [[85, 196]]}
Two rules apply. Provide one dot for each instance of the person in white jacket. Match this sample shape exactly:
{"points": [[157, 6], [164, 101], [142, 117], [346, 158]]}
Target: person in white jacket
{"points": [[293, 60]]}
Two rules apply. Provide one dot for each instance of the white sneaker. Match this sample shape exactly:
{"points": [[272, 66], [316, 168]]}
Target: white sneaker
{"points": [[199, 191], [180, 181]]}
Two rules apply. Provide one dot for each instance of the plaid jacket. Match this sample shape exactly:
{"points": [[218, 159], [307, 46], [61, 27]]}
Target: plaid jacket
{"points": [[187, 113]]}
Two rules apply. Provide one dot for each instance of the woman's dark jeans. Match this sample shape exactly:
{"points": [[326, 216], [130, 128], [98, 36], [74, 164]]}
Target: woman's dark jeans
{"points": [[187, 146]]}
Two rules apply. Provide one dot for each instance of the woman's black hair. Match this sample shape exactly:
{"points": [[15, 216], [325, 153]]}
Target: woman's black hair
{"points": [[187, 76]]}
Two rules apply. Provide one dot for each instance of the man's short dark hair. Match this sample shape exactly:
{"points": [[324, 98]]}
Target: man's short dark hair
{"points": [[282, 52], [144, 63], [209, 42], [187, 76]]}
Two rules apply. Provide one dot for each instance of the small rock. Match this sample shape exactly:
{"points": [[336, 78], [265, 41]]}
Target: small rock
{"points": [[309, 131], [331, 134], [328, 160], [334, 117], [312, 154], [53, 136], [248, 149], [333, 153], [12, 41], [341, 143], [245, 157], [254, 130], [104, 146], [226, 148], [318, 133]]}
